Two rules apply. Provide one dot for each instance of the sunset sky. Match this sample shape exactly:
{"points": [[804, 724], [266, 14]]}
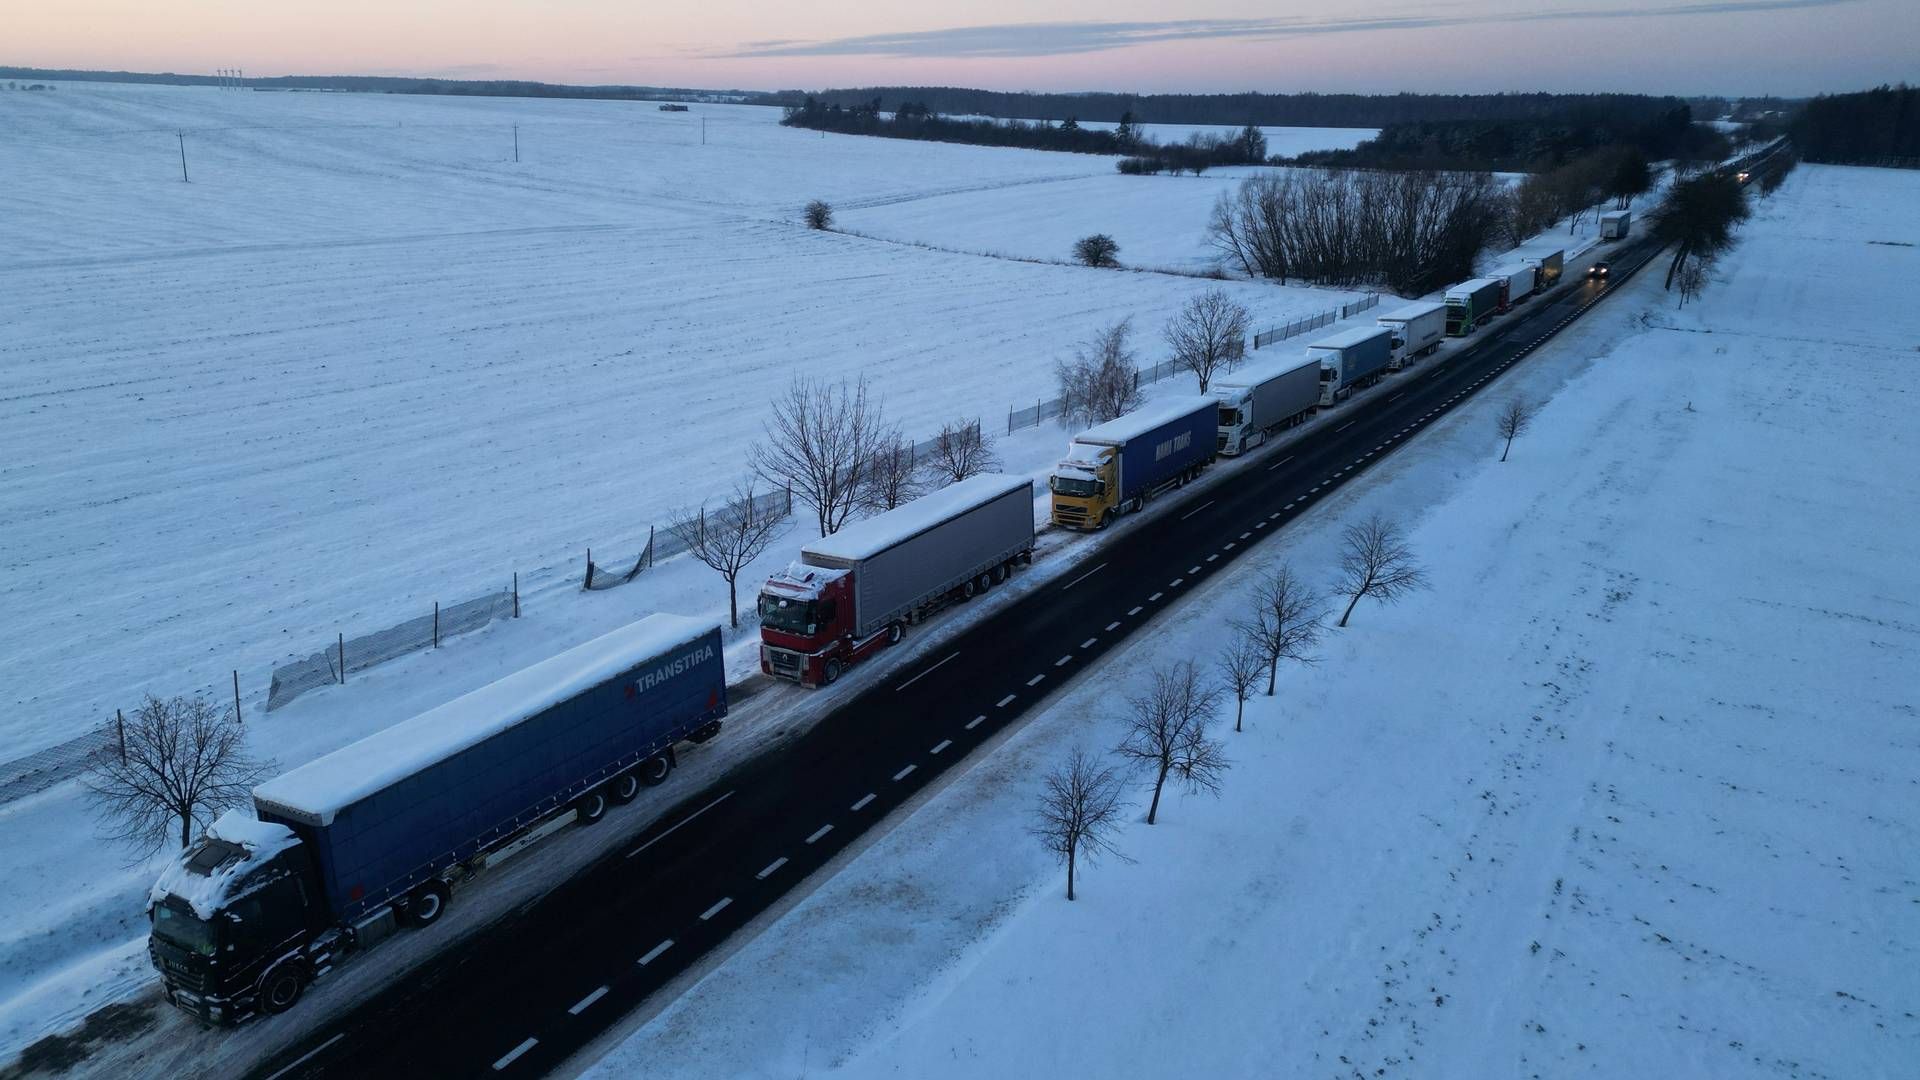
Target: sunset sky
{"points": [[1676, 46]]}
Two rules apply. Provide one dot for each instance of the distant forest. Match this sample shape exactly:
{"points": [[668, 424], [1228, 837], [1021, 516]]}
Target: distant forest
{"points": [[1662, 128], [387, 84], [1235, 110], [1874, 127]]}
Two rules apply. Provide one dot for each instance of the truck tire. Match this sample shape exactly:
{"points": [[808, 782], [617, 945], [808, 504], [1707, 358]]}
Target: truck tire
{"points": [[895, 632], [983, 582], [425, 905], [281, 986], [624, 788], [967, 589], [1106, 518], [653, 771], [588, 809], [1002, 572], [830, 673]]}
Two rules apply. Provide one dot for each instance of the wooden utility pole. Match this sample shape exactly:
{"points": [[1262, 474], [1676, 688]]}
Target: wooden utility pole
{"points": [[236, 696], [182, 136], [516, 144]]}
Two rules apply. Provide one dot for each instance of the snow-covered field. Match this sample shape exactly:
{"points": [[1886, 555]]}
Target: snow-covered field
{"points": [[365, 361], [1630, 791]]}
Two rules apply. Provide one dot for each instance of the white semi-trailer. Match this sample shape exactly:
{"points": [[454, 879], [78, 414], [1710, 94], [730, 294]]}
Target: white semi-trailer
{"points": [[1264, 396], [1417, 330]]}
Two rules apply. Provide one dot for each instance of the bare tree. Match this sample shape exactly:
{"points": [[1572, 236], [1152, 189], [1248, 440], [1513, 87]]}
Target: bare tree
{"points": [[1167, 731], [1102, 381], [178, 761], [1079, 811], [1286, 620], [818, 215], [961, 450], [1097, 250], [1693, 276], [1208, 335], [892, 474], [1376, 561], [1241, 664], [1516, 416], [731, 537], [820, 442]]}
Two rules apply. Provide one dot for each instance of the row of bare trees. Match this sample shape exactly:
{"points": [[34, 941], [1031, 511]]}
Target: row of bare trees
{"points": [[1575, 191], [1409, 231], [1206, 337], [830, 447], [1167, 736]]}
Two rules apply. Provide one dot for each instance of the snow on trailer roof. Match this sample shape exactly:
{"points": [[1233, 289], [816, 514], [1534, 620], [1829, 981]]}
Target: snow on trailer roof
{"points": [[865, 539], [1413, 311], [1468, 288], [1347, 339], [323, 787], [1145, 419], [1260, 371]]}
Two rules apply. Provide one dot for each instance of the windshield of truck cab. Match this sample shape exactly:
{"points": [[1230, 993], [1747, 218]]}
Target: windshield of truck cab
{"points": [[177, 928], [1075, 488], [1229, 416], [780, 613]]}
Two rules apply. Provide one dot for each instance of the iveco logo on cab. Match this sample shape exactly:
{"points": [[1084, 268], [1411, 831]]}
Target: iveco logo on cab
{"points": [[676, 666]]}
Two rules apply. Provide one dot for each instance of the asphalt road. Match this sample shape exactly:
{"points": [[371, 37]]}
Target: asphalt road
{"points": [[523, 995]]}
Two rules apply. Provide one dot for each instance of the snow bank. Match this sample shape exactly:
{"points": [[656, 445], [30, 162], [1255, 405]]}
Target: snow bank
{"points": [[321, 788]]}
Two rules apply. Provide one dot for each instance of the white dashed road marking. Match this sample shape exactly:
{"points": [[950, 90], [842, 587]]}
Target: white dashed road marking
{"points": [[513, 1055], [825, 829], [862, 804], [654, 953], [719, 906], [765, 873], [586, 1003]]}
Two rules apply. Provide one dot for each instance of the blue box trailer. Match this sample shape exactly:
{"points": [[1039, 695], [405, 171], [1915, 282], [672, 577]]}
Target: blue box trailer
{"points": [[383, 829], [1115, 467]]}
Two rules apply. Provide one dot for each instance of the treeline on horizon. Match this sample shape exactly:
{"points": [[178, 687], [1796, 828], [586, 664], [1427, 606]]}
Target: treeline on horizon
{"points": [[1660, 128], [1874, 127], [389, 84], [914, 120], [1236, 110]]}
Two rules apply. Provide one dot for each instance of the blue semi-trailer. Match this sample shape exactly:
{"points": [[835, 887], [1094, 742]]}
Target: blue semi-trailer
{"points": [[341, 851], [1115, 467]]}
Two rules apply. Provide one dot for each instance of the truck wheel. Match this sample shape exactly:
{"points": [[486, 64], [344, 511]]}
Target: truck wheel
{"points": [[967, 589], [1106, 519], [894, 633], [830, 673], [1001, 572], [588, 809], [281, 986], [624, 789], [983, 582], [653, 771], [426, 904]]}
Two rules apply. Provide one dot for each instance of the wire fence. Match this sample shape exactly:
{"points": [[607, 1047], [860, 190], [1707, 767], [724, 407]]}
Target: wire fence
{"points": [[1314, 322], [331, 665]]}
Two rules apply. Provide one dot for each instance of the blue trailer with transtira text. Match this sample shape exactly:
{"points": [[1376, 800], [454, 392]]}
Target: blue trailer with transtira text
{"points": [[344, 849]]}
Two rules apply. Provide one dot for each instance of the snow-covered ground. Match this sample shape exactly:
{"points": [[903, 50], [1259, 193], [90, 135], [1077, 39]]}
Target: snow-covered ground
{"points": [[364, 361], [1630, 791]]}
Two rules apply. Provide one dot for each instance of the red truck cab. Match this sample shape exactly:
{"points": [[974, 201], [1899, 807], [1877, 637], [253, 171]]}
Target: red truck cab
{"points": [[807, 618]]}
